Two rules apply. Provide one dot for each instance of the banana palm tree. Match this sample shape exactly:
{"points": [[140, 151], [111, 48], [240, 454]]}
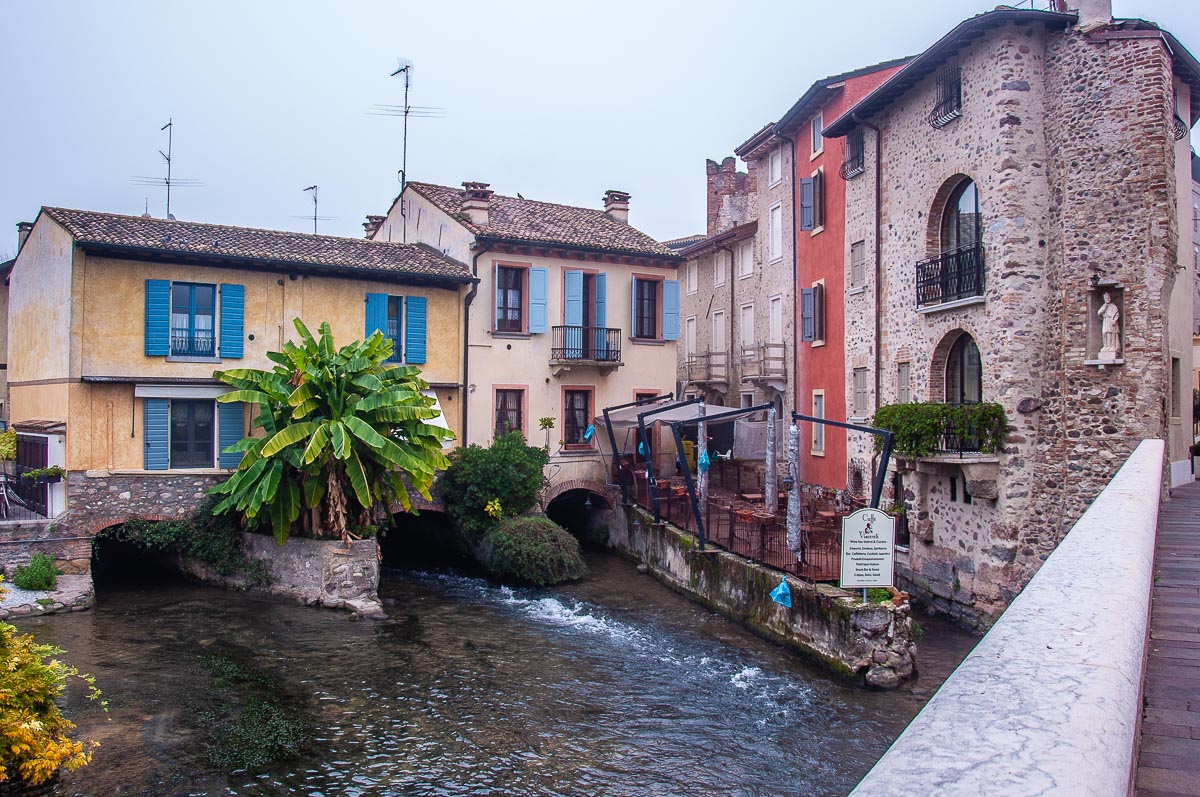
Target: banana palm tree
{"points": [[345, 435]]}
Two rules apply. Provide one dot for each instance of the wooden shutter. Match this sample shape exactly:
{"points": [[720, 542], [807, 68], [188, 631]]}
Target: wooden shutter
{"points": [[537, 300], [376, 317], [156, 431], [573, 306], [818, 199], [414, 330], [806, 203], [229, 431], [670, 313], [233, 305], [600, 314], [818, 312], [158, 318], [807, 326]]}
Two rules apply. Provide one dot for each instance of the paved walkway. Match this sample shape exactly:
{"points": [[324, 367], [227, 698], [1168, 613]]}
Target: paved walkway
{"points": [[1169, 762]]}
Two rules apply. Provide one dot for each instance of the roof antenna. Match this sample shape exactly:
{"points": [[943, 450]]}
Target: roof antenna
{"points": [[313, 188], [404, 67], [168, 182]]}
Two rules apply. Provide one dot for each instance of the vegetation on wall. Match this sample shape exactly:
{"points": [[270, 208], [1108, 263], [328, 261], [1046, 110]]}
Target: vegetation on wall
{"points": [[8, 444], [532, 550], [483, 486], [35, 737], [918, 428], [40, 574], [346, 434]]}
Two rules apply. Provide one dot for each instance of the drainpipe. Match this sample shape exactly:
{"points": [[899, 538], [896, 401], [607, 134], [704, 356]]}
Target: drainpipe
{"points": [[878, 249], [467, 336]]}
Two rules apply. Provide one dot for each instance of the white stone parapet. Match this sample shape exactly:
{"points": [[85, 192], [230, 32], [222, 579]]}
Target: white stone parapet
{"points": [[1048, 701]]}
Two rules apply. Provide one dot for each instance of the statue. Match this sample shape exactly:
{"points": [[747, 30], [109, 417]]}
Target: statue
{"points": [[1110, 333]]}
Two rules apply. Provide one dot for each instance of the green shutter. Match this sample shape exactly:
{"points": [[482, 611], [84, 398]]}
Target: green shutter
{"points": [[158, 318], [156, 429], [233, 303], [414, 330], [229, 431]]}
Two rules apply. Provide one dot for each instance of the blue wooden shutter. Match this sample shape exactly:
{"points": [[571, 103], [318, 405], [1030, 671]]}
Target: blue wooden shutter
{"points": [[600, 314], [376, 314], [158, 318], [806, 204], [633, 317], [670, 317], [229, 431], [538, 283], [414, 330], [233, 306], [807, 321], [573, 309], [156, 429]]}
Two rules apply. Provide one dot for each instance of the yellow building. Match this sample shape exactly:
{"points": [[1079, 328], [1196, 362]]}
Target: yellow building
{"points": [[117, 323], [575, 311]]}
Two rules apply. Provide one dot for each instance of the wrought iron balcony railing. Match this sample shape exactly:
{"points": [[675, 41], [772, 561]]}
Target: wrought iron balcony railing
{"points": [[708, 367], [953, 275], [853, 166], [193, 344], [764, 361], [586, 344]]}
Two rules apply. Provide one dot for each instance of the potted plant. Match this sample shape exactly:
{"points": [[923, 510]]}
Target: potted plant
{"points": [[50, 475], [547, 424]]}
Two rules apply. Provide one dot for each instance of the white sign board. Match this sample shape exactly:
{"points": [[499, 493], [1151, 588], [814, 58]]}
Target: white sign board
{"points": [[868, 547]]}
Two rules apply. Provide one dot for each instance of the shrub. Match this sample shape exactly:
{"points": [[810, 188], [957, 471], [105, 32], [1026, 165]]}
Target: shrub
{"points": [[8, 444], [34, 740], [40, 574], [917, 428], [532, 550], [508, 472]]}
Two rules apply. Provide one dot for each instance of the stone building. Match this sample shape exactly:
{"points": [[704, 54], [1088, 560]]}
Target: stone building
{"points": [[1024, 166]]}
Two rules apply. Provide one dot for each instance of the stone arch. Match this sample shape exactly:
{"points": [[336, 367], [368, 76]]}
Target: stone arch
{"points": [[936, 390], [937, 209], [609, 493]]}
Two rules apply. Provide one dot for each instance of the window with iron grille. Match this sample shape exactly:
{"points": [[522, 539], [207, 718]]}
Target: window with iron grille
{"points": [[949, 97], [854, 164], [508, 411], [576, 406], [858, 264], [193, 309], [862, 395], [510, 299]]}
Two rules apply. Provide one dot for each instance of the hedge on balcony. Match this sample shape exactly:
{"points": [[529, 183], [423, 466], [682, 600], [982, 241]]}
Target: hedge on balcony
{"points": [[919, 428]]}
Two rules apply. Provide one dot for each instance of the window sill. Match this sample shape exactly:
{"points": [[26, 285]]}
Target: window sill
{"points": [[816, 154], [100, 474], [856, 290], [173, 358], [776, 259], [777, 182], [816, 344], [816, 231], [582, 451], [512, 335], [861, 420], [954, 305], [817, 452], [648, 341]]}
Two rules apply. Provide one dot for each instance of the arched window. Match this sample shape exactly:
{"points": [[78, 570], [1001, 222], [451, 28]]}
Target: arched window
{"points": [[964, 372], [961, 220]]}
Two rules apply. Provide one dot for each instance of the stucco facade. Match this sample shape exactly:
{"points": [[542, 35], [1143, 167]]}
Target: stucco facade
{"points": [[1067, 137]]}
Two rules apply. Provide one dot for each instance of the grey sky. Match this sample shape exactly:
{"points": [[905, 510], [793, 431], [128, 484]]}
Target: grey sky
{"points": [[556, 100]]}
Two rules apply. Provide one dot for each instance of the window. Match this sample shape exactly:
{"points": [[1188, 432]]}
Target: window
{"points": [[903, 383], [510, 299], [854, 164], [812, 313], [964, 372], [862, 395], [1176, 385], [193, 433], [948, 106], [576, 417], [510, 415], [193, 309], [818, 143], [645, 309], [776, 316], [858, 264], [812, 201], [400, 319], [747, 400], [746, 325], [395, 306], [961, 225], [775, 166], [693, 276], [718, 331], [746, 258], [775, 232], [818, 429], [689, 335], [721, 267]]}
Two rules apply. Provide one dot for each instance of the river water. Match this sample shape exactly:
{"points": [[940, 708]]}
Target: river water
{"points": [[610, 686]]}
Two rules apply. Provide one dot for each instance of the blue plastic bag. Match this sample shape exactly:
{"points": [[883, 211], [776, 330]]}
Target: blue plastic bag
{"points": [[642, 448], [589, 432], [782, 594], [703, 462]]}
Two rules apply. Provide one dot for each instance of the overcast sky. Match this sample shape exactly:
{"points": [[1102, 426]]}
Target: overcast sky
{"points": [[556, 100]]}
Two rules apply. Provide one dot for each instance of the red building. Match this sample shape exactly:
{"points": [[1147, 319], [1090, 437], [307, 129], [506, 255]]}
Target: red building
{"points": [[822, 277]]}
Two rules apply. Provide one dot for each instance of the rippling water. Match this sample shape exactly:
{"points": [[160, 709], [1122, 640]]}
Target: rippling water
{"points": [[612, 686]]}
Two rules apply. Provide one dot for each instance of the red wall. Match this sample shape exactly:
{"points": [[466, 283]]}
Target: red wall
{"points": [[824, 257]]}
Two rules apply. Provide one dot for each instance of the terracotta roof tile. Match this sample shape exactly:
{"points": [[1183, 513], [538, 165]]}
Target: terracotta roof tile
{"points": [[269, 246], [519, 219]]}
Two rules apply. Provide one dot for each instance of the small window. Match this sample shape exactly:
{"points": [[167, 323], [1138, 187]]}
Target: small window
{"points": [[776, 311], [693, 276], [746, 325], [747, 400], [576, 412], [689, 334], [775, 232], [193, 433], [720, 267], [949, 97], [645, 322], [818, 142], [818, 411], [775, 166], [855, 163], [509, 417], [718, 331], [1176, 388], [819, 199], [746, 255], [193, 309], [862, 395], [858, 264], [903, 383], [510, 299]]}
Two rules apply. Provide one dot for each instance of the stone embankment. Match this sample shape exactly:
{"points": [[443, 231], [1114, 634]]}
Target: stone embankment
{"points": [[74, 594]]}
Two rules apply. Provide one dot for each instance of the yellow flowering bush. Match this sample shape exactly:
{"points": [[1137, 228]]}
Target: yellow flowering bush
{"points": [[493, 509]]}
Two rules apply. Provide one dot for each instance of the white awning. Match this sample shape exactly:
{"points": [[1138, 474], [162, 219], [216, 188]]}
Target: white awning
{"points": [[180, 391], [440, 418]]}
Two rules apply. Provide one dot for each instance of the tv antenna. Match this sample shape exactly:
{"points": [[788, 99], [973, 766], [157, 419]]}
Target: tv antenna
{"points": [[404, 68], [314, 215], [179, 182]]}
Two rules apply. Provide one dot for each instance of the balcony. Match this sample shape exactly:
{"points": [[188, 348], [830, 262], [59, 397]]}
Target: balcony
{"points": [[200, 343], [585, 346], [765, 363], [950, 277], [853, 166], [708, 368]]}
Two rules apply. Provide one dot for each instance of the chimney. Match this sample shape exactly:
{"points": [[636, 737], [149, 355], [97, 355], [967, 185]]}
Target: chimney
{"points": [[1092, 13], [23, 228], [372, 225], [477, 198], [616, 205]]}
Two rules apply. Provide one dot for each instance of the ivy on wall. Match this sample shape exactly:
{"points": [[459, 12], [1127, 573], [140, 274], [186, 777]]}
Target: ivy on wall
{"points": [[919, 428]]}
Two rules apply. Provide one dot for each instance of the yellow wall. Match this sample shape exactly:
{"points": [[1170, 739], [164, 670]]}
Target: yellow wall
{"points": [[39, 317]]}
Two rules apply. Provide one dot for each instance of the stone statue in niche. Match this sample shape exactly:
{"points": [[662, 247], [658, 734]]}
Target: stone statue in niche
{"points": [[1110, 330]]}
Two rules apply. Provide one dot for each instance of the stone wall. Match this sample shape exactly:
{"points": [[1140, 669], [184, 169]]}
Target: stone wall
{"points": [[19, 541], [872, 644], [98, 499]]}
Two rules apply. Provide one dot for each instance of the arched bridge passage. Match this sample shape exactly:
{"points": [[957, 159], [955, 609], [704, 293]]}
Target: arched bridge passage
{"points": [[425, 538], [584, 512], [117, 563]]}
